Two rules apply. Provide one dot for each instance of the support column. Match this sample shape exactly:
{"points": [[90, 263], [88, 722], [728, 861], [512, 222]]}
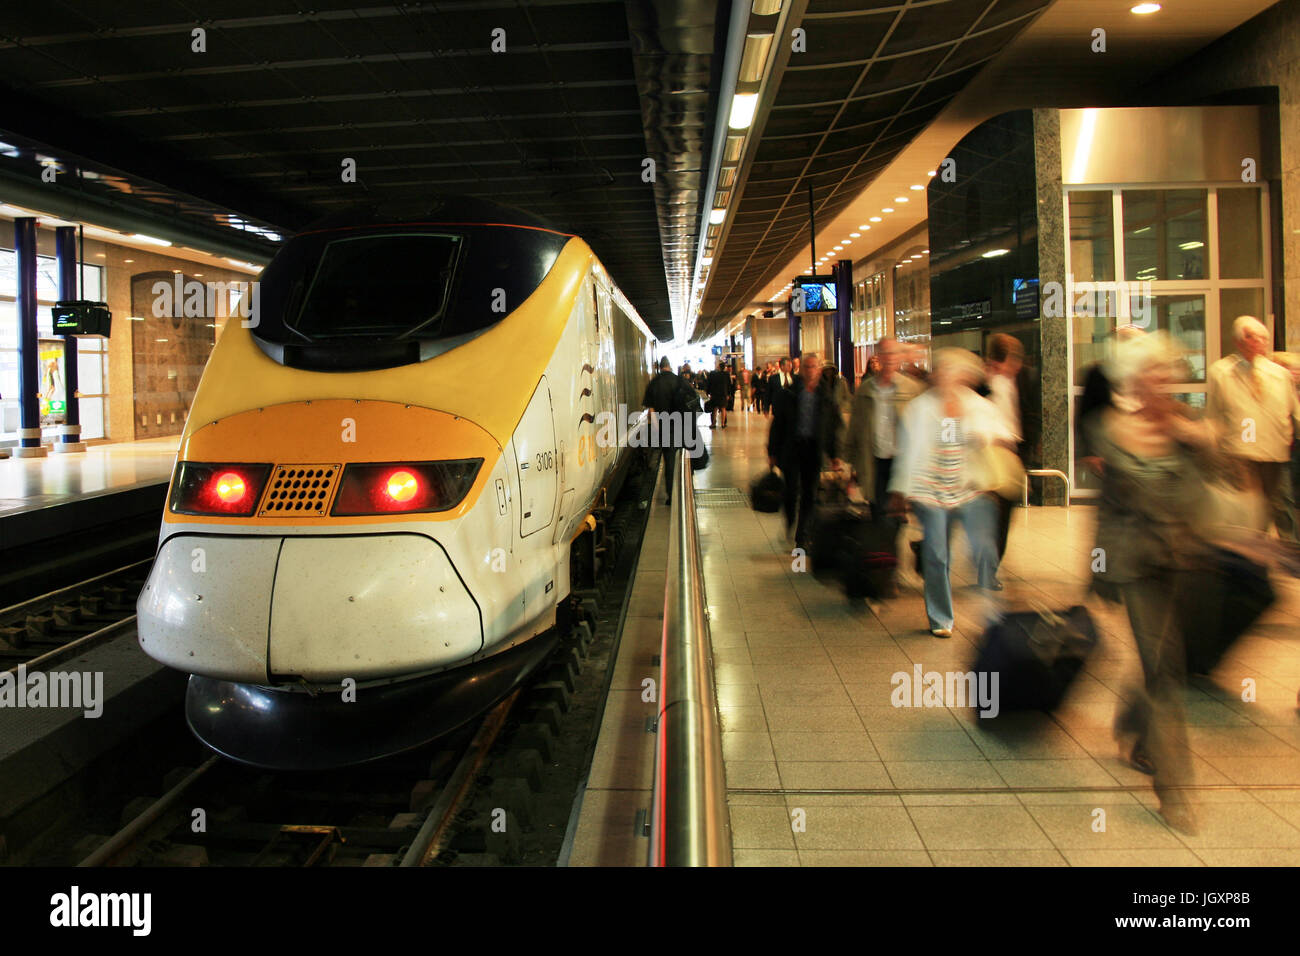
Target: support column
{"points": [[844, 319], [29, 368], [1053, 333], [65, 248], [794, 329]]}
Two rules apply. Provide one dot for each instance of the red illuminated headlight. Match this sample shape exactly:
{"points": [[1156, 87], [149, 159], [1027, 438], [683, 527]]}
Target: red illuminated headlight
{"points": [[404, 487], [200, 488]]}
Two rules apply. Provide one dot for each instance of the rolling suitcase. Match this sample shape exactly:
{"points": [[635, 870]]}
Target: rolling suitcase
{"points": [[853, 548], [767, 493], [1036, 655], [1218, 604]]}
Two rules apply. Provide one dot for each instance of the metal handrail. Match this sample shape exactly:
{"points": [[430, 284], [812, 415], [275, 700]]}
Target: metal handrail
{"points": [[689, 823], [1045, 473]]}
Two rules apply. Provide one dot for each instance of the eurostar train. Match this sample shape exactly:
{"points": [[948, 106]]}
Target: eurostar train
{"points": [[386, 481]]}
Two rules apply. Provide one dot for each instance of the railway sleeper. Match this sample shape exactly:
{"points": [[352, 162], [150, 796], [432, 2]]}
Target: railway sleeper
{"points": [[536, 736], [526, 765], [515, 797], [552, 691]]}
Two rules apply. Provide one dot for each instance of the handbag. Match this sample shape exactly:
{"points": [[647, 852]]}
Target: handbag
{"points": [[1004, 472]]}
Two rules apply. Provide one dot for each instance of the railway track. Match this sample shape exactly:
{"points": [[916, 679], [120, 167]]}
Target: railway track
{"points": [[45, 630]]}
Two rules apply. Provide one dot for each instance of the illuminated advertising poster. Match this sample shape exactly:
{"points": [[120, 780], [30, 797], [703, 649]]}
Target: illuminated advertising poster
{"points": [[54, 409]]}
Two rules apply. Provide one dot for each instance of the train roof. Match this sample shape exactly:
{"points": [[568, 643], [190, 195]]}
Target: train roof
{"points": [[443, 210]]}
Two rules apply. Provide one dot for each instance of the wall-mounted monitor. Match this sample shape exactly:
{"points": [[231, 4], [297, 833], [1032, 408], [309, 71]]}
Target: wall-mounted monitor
{"points": [[1024, 296], [812, 294]]}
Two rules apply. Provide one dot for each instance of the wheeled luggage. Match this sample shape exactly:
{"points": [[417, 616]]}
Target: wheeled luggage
{"points": [[856, 549], [1036, 654], [1218, 604], [767, 493]]}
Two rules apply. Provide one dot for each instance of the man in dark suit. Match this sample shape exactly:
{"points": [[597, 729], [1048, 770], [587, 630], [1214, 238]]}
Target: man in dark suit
{"points": [[719, 385], [664, 396], [806, 429]]}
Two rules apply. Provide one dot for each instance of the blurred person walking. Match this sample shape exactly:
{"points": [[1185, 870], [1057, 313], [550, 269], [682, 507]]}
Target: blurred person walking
{"points": [[1252, 402], [1012, 388], [1153, 500], [665, 395], [942, 472], [871, 441], [806, 430]]}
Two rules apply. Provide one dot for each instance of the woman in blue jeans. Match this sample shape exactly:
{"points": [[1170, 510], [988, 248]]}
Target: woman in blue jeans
{"points": [[941, 471]]}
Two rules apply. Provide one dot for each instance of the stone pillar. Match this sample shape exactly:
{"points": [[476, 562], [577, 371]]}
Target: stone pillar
{"points": [[1053, 332]]}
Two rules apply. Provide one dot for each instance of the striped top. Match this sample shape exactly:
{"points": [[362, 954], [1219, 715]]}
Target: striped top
{"points": [[944, 479]]}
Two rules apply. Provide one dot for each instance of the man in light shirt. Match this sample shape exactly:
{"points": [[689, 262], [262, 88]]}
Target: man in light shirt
{"points": [[1252, 402], [872, 439]]}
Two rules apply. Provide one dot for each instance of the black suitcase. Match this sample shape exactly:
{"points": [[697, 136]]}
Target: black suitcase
{"points": [[1218, 604], [850, 546], [1036, 655], [767, 493]]}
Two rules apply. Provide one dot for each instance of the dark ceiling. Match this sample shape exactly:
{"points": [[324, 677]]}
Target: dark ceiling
{"points": [[261, 122], [874, 75]]}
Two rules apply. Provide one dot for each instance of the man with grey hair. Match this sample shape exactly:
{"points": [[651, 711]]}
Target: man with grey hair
{"points": [[1252, 402]]}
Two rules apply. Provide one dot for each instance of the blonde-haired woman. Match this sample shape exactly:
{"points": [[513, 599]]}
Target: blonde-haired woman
{"points": [[1153, 497], [941, 471]]}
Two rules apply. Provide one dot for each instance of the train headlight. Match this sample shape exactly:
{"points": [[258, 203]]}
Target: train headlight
{"points": [[200, 488], [404, 487], [230, 488]]}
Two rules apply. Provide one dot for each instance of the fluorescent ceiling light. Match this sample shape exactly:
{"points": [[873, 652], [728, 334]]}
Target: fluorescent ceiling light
{"points": [[836, 248], [887, 209], [149, 240], [707, 260], [901, 199], [1194, 244], [717, 215], [856, 235], [917, 188], [930, 173], [848, 242], [1144, 8], [873, 219], [994, 253], [742, 110]]}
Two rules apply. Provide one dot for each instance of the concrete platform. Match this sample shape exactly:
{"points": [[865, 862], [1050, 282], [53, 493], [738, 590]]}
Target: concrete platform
{"points": [[823, 770], [33, 484]]}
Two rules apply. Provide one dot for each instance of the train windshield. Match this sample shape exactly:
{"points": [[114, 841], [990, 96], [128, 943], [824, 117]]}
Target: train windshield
{"points": [[377, 285]]}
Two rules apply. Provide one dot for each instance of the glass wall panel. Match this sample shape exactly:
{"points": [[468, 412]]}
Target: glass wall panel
{"points": [[1164, 234], [1183, 317], [1241, 252], [1092, 236]]}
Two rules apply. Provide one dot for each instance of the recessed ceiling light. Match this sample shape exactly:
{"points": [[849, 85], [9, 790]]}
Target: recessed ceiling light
{"points": [[917, 188], [901, 199], [887, 209], [925, 252], [994, 253], [848, 242], [858, 235], [1144, 8], [717, 215], [873, 219], [916, 256], [1188, 246], [930, 173], [837, 248]]}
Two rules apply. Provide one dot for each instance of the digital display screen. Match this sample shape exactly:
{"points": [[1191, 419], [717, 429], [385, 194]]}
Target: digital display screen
{"points": [[813, 296]]}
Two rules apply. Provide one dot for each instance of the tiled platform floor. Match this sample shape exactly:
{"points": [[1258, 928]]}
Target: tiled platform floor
{"points": [[804, 687], [27, 484]]}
